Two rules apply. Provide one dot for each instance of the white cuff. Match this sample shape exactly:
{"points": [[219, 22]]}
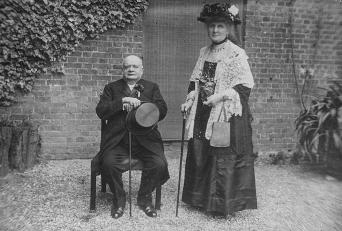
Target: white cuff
{"points": [[228, 94]]}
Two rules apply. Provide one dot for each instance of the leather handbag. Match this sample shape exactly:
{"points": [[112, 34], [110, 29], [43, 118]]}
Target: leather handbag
{"points": [[220, 136]]}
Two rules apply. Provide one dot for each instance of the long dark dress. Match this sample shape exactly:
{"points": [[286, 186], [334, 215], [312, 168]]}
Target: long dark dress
{"points": [[221, 180]]}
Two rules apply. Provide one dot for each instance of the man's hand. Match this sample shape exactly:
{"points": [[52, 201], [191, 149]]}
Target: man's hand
{"points": [[127, 107], [130, 103]]}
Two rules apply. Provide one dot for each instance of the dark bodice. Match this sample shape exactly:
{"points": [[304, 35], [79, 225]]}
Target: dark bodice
{"points": [[206, 89]]}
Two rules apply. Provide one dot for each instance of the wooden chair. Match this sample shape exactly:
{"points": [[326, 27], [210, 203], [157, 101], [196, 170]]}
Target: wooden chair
{"points": [[136, 165]]}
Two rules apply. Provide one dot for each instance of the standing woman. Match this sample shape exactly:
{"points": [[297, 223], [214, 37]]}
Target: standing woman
{"points": [[219, 178]]}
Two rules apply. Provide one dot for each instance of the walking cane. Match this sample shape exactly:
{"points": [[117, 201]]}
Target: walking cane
{"points": [[180, 163], [129, 173]]}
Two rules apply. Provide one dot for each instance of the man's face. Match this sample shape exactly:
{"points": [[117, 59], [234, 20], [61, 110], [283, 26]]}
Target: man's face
{"points": [[132, 68]]}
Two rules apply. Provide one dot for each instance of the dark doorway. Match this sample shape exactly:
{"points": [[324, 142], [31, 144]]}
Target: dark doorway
{"points": [[172, 40]]}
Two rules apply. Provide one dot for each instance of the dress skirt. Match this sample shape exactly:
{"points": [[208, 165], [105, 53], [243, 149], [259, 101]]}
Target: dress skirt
{"points": [[221, 180]]}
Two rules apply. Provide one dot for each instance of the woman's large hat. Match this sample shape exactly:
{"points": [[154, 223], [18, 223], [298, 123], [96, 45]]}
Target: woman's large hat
{"points": [[143, 119], [219, 12]]}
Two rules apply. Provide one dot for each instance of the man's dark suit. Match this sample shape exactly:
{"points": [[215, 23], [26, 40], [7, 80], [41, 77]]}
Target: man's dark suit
{"points": [[114, 139]]}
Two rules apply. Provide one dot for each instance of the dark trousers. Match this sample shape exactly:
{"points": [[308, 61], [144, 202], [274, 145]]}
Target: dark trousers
{"points": [[116, 161]]}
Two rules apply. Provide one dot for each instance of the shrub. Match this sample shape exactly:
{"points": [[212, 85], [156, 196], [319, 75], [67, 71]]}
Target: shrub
{"points": [[319, 127], [35, 34]]}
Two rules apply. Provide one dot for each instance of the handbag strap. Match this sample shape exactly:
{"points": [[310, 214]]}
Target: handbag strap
{"points": [[221, 112]]}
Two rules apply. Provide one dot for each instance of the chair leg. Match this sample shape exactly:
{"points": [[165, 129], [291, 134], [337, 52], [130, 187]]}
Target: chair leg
{"points": [[158, 197], [92, 191], [103, 184]]}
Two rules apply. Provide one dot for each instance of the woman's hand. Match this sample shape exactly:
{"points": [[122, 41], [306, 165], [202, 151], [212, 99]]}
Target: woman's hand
{"points": [[213, 100], [185, 107]]}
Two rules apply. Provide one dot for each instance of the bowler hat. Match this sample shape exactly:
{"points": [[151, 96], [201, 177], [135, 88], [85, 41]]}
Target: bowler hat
{"points": [[142, 119]]}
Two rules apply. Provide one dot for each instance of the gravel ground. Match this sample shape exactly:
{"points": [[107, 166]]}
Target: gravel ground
{"points": [[55, 196]]}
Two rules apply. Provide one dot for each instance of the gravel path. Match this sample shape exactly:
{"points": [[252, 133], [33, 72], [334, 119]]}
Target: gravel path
{"points": [[55, 196]]}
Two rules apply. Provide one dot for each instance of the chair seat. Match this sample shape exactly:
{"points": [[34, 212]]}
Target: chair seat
{"points": [[136, 165]]}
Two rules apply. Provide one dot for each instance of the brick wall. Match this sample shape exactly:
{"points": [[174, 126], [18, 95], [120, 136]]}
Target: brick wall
{"points": [[317, 36], [64, 104]]}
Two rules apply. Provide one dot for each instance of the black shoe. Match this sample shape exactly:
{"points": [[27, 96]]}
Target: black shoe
{"points": [[117, 212], [149, 210]]}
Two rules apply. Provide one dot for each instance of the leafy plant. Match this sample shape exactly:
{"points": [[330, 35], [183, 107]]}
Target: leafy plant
{"points": [[35, 34], [320, 124], [6, 121]]}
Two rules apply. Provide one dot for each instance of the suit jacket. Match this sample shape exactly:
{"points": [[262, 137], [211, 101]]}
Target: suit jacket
{"points": [[110, 109]]}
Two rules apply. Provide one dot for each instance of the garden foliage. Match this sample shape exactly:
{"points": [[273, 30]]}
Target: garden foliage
{"points": [[35, 34], [321, 124]]}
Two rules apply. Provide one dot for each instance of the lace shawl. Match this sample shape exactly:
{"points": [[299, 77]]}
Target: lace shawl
{"points": [[232, 69]]}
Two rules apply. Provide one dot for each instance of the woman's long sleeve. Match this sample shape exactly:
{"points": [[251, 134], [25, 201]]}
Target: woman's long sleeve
{"points": [[244, 93]]}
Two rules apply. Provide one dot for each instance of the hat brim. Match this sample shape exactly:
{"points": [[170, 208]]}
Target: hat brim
{"points": [[139, 130], [217, 19], [143, 119]]}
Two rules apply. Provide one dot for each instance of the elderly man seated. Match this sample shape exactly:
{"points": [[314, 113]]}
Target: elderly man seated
{"points": [[118, 98]]}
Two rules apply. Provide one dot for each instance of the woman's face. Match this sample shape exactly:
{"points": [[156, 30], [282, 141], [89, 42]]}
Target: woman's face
{"points": [[217, 31]]}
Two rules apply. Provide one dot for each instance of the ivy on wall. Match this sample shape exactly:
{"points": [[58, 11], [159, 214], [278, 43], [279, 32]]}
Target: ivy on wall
{"points": [[35, 34]]}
